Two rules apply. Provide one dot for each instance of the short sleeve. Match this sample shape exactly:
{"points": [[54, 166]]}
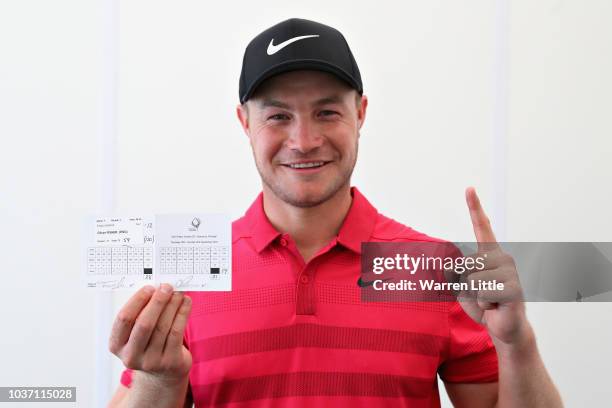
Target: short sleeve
{"points": [[471, 356]]}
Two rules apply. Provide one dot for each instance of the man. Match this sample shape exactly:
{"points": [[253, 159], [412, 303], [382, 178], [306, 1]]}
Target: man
{"points": [[294, 331]]}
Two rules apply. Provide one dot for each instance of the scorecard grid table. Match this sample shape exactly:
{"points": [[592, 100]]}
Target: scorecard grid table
{"points": [[194, 260], [173, 260], [121, 260]]}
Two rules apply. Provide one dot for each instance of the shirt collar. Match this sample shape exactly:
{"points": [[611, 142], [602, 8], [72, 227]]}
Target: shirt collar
{"points": [[262, 231], [358, 225], [356, 228]]}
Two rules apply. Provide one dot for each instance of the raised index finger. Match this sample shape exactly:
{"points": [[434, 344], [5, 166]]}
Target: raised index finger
{"points": [[480, 221]]}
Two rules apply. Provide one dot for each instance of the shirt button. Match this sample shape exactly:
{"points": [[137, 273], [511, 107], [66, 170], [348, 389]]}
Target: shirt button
{"points": [[283, 242], [304, 279]]}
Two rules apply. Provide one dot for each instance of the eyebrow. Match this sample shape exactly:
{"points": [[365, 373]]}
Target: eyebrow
{"points": [[273, 103], [319, 102]]}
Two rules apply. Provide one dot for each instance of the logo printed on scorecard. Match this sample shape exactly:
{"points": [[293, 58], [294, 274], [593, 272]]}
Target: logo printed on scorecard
{"points": [[196, 222], [273, 49]]}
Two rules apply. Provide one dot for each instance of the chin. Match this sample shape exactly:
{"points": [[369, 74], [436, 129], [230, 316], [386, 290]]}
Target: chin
{"points": [[306, 197]]}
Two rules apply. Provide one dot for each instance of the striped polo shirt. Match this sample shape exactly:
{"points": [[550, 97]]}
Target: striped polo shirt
{"points": [[296, 334]]}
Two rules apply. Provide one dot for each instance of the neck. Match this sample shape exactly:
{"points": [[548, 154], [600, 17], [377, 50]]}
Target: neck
{"points": [[311, 228]]}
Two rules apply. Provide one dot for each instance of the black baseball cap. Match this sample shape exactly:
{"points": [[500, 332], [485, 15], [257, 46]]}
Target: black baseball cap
{"points": [[297, 44]]}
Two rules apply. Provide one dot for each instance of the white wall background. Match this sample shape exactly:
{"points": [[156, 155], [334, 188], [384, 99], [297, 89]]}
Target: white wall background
{"points": [[510, 96]]}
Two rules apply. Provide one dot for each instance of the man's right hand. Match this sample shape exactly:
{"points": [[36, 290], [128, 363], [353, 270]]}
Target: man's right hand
{"points": [[147, 335]]}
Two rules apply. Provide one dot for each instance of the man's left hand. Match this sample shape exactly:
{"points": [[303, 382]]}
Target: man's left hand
{"points": [[501, 311]]}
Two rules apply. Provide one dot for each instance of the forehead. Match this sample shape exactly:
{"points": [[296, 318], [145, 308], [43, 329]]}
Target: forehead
{"points": [[302, 85]]}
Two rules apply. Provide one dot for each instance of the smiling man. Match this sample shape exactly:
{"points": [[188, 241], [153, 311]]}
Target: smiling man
{"points": [[304, 129], [294, 331]]}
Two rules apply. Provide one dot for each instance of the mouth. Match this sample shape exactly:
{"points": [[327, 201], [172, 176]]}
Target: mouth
{"points": [[306, 166]]}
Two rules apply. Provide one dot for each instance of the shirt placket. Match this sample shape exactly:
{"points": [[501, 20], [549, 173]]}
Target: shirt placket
{"points": [[306, 299]]}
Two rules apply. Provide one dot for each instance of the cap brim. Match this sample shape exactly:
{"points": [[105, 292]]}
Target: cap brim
{"points": [[295, 65]]}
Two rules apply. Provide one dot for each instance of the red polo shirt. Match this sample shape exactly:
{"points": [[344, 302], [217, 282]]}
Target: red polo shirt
{"points": [[297, 334]]}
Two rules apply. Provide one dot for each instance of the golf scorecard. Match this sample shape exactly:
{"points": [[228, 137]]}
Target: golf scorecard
{"points": [[192, 252]]}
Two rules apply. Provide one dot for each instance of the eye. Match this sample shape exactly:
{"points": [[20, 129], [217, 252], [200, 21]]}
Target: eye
{"points": [[328, 113], [278, 117]]}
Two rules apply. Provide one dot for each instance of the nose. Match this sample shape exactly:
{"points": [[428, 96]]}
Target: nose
{"points": [[304, 136]]}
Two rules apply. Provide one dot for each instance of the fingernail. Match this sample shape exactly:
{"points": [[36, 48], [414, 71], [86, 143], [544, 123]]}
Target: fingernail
{"points": [[187, 301], [165, 288], [149, 289]]}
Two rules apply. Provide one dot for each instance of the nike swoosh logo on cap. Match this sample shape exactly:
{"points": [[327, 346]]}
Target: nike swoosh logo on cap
{"points": [[273, 49]]}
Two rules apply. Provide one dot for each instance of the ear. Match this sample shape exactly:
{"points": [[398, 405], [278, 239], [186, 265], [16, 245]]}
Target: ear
{"points": [[361, 112], [243, 117]]}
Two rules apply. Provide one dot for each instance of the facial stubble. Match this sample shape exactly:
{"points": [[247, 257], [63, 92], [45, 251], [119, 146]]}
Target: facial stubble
{"points": [[287, 196]]}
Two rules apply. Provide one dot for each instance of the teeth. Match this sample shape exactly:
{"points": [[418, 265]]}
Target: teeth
{"points": [[306, 165]]}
